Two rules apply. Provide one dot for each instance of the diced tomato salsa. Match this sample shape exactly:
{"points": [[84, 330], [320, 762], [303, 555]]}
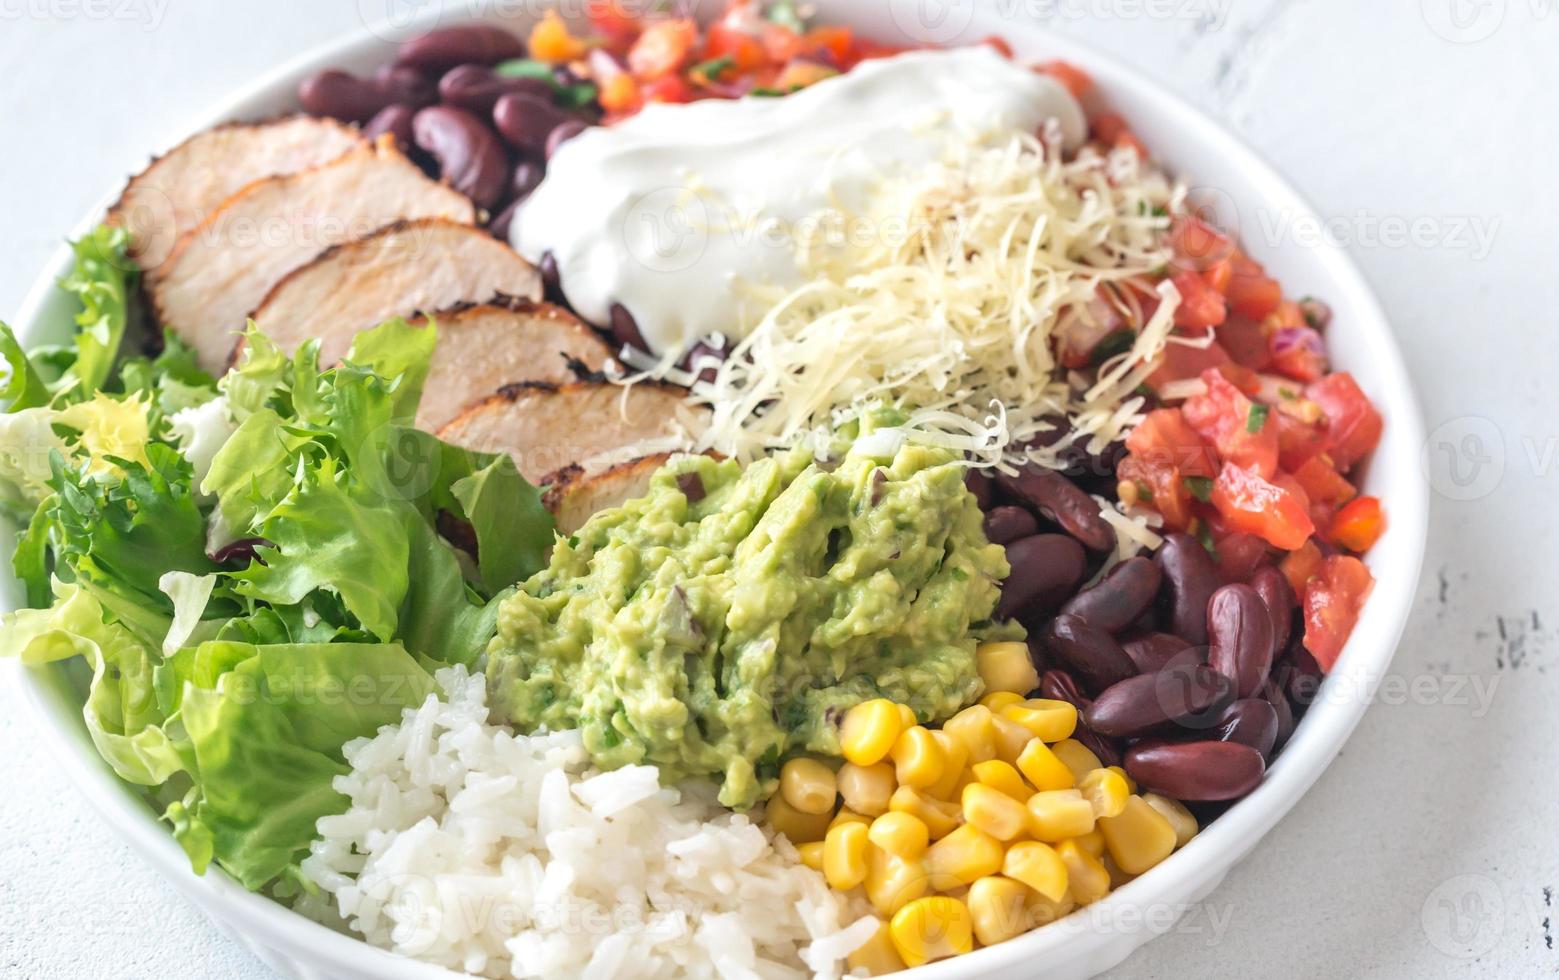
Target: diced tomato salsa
{"points": [[1283, 431]]}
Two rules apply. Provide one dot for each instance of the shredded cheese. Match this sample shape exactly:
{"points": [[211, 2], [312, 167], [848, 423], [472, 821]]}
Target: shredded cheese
{"points": [[983, 269]]}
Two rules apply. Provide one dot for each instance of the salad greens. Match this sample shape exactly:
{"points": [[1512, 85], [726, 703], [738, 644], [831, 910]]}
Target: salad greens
{"points": [[255, 569]]}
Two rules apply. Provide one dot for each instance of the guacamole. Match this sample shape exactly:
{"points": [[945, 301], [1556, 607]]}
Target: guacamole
{"points": [[725, 621]]}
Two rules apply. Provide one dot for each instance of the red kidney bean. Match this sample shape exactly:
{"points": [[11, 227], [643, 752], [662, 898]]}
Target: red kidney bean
{"points": [[1046, 568], [1272, 585], [477, 89], [1250, 721], [501, 225], [406, 85], [551, 278], [564, 132], [1120, 597], [450, 46], [526, 121], [1091, 654], [626, 329], [468, 154], [342, 96], [1191, 696], [703, 352], [1239, 555], [1058, 685], [1190, 579], [1202, 771], [1280, 707], [1060, 501], [1239, 632], [1302, 676], [1107, 749], [395, 120], [1004, 525], [524, 180], [1153, 652], [982, 486]]}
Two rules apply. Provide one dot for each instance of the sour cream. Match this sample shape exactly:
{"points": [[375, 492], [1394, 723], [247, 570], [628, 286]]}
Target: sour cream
{"points": [[666, 211]]}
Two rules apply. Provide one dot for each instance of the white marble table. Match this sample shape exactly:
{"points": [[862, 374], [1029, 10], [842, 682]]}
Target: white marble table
{"points": [[1424, 130]]}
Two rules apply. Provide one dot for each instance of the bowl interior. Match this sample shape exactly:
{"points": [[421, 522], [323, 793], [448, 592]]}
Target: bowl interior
{"points": [[1247, 194]]}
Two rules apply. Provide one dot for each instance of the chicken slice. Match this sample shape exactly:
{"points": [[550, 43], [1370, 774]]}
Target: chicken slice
{"points": [[482, 348], [186, 184], [575, 496], [221, 269], [593, 424], [407, 268]]}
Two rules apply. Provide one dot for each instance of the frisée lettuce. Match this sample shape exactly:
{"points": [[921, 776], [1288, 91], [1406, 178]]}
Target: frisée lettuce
{"points": [[255, 569]]}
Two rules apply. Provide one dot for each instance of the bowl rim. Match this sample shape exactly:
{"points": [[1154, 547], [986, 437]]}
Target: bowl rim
{"points": [[1191, 871]]}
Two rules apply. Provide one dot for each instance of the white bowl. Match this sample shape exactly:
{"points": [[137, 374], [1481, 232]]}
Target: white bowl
{"points": [[1248, 194]]}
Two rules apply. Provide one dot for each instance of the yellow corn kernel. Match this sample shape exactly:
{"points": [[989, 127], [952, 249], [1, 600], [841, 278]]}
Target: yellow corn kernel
{"points": [[1059, 814], [1138, 837], [877, 956], [918, 759], [955, 767], [900, 835], [809, 786], [893, 882], [972, 726], [1049, 720], [1006, 667], [811, 854], [998, 908], [1042, 911], [1117, 876], [1038, 866], [1087, 879], [940, 817], [931, 929], [801, 828], [1105, 790], [1178, 816], [867, 789], [844, 856], [1092, 842], [907, 716], [1042, 768], [1078, 757], [1001, 776], [964, 855], [997, 700], [1011, 739], [869, 730], [1131, 784], [847, 815], [994, 812]]}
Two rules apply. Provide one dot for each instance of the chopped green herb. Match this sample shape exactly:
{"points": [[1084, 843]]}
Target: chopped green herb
{"points": [[1201, 487], [1307, 307], [1118, 342], [1287, 392], [1205, 536], [714, 67], [785, 14], [770, 93], [1256, 419], [525, 68], [1160, 211], [575, 96], [1144, 492]]}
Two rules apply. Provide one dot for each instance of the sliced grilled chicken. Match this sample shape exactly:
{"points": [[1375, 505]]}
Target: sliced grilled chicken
{"points": [[575, 496], [185, 185], [592, 424], [222, 268], [408, 268], [480, 348]]}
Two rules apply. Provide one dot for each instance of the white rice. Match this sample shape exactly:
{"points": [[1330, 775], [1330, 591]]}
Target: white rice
{"points": [[506, 856]]}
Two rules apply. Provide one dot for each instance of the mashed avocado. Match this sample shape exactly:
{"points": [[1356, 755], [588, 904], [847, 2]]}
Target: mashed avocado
{"points": [[724, 621]]}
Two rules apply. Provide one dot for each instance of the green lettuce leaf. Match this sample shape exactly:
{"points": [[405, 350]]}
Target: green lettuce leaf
{"points": [[101, 280]]}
